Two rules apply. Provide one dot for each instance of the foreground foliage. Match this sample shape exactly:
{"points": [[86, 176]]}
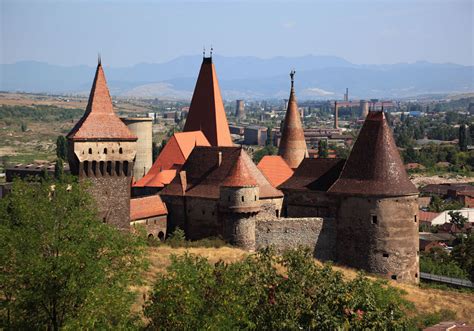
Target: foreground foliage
{"points": [[268, 292], [60, 266]]}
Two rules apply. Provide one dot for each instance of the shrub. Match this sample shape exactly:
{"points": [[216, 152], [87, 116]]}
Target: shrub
{"points": [[267, 292]]}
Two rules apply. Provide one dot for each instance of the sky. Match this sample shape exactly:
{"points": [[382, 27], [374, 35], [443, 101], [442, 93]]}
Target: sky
{"points": [[72, 32]]}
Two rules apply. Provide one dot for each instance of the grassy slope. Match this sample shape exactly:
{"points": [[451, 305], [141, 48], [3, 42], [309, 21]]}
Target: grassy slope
{"points": [[425, 300]]}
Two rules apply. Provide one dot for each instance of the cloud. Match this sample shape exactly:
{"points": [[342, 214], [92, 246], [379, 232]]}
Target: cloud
{"points": [[314, 91]]}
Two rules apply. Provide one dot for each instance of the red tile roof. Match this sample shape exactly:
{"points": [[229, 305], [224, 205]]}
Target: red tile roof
{"points": [[146, 207], [427, 216], [239, 175], [275, 169], [374, 166], [171, 158], [99, 122], [204, 175], [206, 112], [292, 146]]}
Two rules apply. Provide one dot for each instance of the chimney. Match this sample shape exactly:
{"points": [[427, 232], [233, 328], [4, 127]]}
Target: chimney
{"points": [[336, 115]]}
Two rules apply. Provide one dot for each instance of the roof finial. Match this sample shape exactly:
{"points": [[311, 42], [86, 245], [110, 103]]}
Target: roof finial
{"points": [[99, 60], [203, 51], [292, 76], [211, 51]]}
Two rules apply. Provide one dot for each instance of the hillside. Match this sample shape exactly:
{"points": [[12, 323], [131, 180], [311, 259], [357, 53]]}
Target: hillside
{"points": [[248, 77], [426, 300]]}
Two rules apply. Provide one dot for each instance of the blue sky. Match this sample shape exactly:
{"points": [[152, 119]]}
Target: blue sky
{"points": [[128, 32]]}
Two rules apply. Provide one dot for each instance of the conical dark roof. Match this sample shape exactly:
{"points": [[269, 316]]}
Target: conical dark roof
{"points": [[292, 146], [206, 112], [100, 122], [374, 166]]}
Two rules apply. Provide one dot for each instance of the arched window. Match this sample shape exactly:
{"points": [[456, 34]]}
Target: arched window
{"points": [[90, 150], [161, 236], [120, 150], [105, 150]]}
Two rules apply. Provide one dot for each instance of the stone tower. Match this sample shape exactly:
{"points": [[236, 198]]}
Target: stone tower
{"points": [[292, 146], [101, 149], [240, 109], [206, 112], [239, 203], [377, 218], [142, 127]]}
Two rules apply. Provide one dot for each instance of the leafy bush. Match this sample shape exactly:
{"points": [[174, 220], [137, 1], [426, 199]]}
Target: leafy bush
{"points": [[267, 292]]}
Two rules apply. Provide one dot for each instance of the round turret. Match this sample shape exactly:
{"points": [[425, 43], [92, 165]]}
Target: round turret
{"points": [[239, 203]]}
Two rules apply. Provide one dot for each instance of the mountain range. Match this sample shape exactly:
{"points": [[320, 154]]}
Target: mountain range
{"points": [[246, 77]]}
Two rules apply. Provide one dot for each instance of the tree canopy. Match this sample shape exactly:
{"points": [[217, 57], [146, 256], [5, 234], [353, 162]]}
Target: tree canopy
{"points": [[61, 267]]}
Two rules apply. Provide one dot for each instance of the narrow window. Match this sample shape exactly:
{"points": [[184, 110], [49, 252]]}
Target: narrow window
{"points": [[243, 198], [228, 198], [120, 150], [255, 198], [105, 150], [277, 213], [385, 254], [416, 275], [415, 219], [374, 219], [204, 212], [90, 150]]}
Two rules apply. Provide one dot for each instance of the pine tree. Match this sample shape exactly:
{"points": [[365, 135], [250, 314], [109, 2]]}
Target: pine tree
{"points": [[61, 148], [59, 169], [462, 138]]}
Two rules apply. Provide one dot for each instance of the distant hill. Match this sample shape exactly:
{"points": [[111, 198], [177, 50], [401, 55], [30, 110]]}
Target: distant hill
{"points": [[248, 77]]}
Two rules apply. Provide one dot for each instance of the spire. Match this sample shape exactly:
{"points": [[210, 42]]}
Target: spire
{"points": [[239, 175], [99, 121], [374, 166], [292, 144], [206, 112]]}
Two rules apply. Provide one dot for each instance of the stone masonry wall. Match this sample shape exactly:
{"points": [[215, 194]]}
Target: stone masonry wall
{"points": [[288, 233]]}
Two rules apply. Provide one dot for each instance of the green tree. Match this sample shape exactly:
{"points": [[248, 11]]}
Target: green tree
{"points": [[61, 148], [323, 149], [463, 137], [458, 219], [463, 254], [59, 169], [61, 267], [267, 150]]}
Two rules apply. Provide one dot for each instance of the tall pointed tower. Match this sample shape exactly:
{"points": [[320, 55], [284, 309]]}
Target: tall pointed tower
{"points": [[377, 221], [102, 150], [292, 144], [206, 112]]}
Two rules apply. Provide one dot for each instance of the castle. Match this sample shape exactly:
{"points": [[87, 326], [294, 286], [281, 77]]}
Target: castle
{"points": [[360, 212]]}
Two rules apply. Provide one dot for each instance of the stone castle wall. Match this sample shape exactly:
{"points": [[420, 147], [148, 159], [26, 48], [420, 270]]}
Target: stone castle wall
{"points": [[309, 204], [288, 233], [112, 195], [154, 227]]}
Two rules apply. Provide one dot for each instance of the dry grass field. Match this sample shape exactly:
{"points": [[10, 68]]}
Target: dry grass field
{"points": [[426, 300]]}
